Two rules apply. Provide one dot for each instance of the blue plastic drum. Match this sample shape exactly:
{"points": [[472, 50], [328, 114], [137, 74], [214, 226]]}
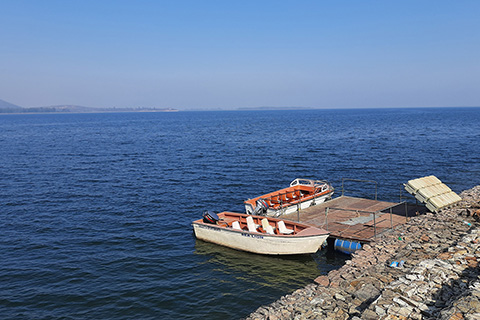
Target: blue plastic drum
{"points": [[347, 246]]}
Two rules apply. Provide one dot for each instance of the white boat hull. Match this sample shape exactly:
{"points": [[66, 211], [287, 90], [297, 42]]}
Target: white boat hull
{"points": [[259, 242]]}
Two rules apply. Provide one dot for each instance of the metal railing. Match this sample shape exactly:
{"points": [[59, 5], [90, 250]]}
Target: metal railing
{"points": [[359, 180], [374, 213]]}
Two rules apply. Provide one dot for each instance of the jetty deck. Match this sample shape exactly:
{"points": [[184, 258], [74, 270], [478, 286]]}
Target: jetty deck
{"points": [[354, 218]]}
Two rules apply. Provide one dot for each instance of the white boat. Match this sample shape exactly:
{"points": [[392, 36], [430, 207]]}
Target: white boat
{"points": [[301, 194], [259, 234]]}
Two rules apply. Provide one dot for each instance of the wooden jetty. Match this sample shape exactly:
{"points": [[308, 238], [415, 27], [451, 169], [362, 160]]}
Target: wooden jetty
{"points": [[354, 218]]}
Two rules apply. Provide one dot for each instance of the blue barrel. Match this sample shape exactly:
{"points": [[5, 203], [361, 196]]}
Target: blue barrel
{"points": [[346, 246]]}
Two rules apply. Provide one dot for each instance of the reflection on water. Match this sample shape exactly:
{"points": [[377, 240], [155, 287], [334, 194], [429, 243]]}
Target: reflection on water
{"points": [[276, 272]]}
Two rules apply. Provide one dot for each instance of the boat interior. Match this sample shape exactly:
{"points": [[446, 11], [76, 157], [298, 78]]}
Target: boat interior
{"points": [[289, 196], [259, 224]]}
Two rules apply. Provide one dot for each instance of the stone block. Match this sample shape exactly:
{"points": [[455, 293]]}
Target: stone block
{"points": [[338, 296], [367, 292], [369, 315], [425, 238], [445, 255], [322, 281]]}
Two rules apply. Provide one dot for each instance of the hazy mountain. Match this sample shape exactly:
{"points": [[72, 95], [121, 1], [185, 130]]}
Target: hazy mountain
{"points": [[69, 108], [4, 105], [82, 109], [7, 107]]}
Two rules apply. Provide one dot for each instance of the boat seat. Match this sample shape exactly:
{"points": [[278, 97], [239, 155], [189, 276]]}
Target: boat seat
{"points": [[275, 199], [252, 227], [236, 225], [290, 196], [251, 219], [267, 227], [283, 229]]}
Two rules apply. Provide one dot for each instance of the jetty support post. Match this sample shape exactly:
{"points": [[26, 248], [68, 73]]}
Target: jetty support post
{"points": [[391, 219], [326, 219], [298, 212], [406, 212]]}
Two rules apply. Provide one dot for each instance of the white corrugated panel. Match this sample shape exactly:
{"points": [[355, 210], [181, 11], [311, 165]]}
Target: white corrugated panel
{"points": [[414, 185], [431, 191], [423, 194]]}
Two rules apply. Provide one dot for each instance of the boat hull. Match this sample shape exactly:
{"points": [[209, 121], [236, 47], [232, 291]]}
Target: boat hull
{"points": [[259, 243]]}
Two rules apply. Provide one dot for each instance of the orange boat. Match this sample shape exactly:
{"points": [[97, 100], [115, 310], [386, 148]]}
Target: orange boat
{"points": [[301, 194]]}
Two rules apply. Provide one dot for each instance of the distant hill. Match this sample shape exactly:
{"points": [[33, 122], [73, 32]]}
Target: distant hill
{"points": [[272, 108], [82, 109], [9, 107], [69, 108], [6, 107]]}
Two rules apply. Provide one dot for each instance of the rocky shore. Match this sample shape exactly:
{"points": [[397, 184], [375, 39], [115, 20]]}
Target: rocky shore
{"points": [[438, 279]]}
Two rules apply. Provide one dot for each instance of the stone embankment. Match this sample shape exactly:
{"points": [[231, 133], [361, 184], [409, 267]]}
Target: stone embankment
{"points": [[439, 278]]}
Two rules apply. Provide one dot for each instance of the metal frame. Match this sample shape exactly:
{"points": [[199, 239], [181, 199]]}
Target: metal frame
{"points": [[359, 180], [370, 212]]}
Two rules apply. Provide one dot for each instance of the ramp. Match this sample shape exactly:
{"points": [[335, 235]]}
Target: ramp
{"points": [[431, 191]]}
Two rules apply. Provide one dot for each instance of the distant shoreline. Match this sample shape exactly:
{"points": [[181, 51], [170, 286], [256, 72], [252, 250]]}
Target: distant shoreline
{"points": [[86, 110], [89, 111]]}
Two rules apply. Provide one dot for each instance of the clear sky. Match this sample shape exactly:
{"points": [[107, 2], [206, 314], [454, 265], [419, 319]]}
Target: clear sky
{"points": [[230, 54]]}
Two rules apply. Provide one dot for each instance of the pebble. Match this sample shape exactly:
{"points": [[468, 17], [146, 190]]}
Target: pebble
{"points": [[440, 278]]}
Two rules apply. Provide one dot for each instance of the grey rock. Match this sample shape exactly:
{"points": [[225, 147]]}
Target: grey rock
{"points": [[369, 315], [379, 311], [338, 296], [367, 292], [317, 301]]}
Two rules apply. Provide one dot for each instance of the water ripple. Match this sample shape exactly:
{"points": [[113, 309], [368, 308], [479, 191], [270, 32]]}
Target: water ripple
{"points": [[96, 209]]}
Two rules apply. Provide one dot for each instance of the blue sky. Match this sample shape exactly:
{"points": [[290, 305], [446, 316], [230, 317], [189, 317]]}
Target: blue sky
{"points": [[230, 54]]}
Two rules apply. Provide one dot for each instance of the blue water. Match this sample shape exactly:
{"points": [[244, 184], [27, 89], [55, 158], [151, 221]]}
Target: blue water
{"points": [[96, 208]]}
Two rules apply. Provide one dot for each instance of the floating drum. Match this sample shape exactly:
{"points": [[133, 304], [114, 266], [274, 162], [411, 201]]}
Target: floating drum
{"points": [[346, 246]]}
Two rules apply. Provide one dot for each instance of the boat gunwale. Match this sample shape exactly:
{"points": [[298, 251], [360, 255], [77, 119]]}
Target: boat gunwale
{"points": [[227, 228], [267, 235], [291, 189]]}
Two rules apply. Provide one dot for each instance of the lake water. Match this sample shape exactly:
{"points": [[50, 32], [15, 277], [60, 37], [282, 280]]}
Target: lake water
{"points": [[96, 209]]}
